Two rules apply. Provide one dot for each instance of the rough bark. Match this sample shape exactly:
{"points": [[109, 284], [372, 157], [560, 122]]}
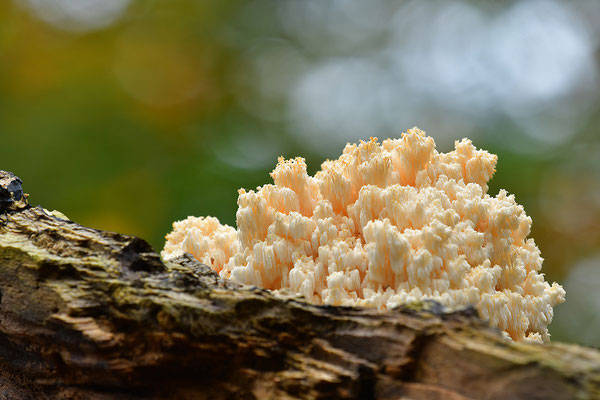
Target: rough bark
{"points": [[88, 314]]}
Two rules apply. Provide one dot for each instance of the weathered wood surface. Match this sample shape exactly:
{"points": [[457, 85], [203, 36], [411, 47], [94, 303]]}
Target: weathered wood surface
{"points": [[88, 314]]}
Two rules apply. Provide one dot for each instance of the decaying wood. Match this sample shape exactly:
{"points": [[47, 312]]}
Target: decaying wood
{"points": [[88, 314]]}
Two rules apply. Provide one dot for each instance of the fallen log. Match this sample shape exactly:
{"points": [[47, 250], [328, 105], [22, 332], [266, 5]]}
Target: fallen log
{"points": [[90, 314]]}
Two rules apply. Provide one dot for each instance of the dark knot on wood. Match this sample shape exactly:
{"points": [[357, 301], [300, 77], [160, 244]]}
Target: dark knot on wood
{"points": [[12, 197]]}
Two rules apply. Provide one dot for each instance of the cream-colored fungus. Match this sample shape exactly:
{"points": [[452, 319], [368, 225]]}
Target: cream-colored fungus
{"points": [[383, 225]]}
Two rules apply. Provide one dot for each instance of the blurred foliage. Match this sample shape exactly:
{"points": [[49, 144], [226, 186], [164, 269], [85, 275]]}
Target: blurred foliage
{"points": [[129, 115]]}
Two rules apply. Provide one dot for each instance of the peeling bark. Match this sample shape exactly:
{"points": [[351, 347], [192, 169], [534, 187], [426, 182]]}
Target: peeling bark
{"points": [[88, 314]]}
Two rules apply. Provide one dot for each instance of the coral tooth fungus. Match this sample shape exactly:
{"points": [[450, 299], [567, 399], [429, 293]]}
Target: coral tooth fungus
{"points": [[385, 224]]}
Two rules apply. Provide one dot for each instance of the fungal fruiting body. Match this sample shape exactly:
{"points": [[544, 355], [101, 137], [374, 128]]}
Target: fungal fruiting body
{"points": [[385, 224]]}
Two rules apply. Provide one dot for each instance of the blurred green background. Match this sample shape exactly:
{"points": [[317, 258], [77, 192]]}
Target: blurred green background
{"points": [[127, 115]]}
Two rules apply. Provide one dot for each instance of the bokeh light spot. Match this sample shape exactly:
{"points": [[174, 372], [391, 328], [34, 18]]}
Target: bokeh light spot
{"points": [[78, 15]]}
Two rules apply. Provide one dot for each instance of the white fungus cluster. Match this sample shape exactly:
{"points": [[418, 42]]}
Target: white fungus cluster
{"points": [[385, 224]]}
